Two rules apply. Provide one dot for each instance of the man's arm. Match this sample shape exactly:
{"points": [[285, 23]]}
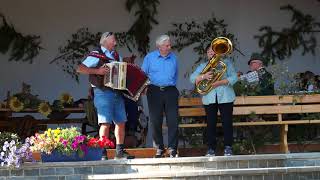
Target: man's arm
{"points": [[86, 70]]}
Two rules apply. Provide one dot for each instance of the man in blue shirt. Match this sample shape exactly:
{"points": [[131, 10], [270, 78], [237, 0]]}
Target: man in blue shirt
{"points": [[161, 67], [108, 102]]}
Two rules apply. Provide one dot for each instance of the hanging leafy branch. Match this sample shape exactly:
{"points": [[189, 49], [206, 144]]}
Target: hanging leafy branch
{"points": [[75, 50], [81, 42], [141, 28], [281, 44], [199, 35], [23, 47]]}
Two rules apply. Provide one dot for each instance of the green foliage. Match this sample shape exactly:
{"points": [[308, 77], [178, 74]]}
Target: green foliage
{"points": [[29, 100], [141, 28], [200, 35], [75, 50], [23, 47], [281, 44], [8, 136], [243, 88], [81, 42], [79, 45], [251, 139]]}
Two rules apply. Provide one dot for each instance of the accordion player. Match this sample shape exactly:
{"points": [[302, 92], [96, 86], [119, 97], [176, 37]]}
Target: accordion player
{"points": [[126, 77]]}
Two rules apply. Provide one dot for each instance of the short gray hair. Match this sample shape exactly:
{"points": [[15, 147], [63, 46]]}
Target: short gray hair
{"points": [[104, 37], [161, 39]]}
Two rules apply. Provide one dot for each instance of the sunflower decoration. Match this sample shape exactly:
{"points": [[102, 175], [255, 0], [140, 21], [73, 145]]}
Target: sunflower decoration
{"points": [[66, 98], [15, 104], [2, 105], [44, 108]]}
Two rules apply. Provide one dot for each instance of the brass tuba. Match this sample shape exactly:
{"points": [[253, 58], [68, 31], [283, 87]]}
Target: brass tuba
{"points": [[221, 46]]}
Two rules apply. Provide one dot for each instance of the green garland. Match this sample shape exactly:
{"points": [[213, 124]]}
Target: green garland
{"points": [[200, 35], [77, 47], [23, 47], [281, 44], [83, 41], [141, 28]]}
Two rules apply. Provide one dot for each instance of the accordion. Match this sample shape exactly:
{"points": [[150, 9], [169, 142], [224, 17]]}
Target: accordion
{"points": [[126, 77]]}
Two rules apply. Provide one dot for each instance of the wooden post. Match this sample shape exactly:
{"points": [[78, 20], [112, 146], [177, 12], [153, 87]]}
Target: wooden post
{"points": [[279, 115], [284, 139]]}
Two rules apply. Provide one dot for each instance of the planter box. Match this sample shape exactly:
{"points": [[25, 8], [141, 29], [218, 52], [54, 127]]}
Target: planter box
{"points": [[93, 154]]}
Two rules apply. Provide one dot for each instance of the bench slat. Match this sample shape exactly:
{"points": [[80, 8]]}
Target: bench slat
{"points": [[258, 100], [254, 123], [245, 110]]}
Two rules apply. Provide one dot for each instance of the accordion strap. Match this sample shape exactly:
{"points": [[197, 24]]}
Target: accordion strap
{"points": [[102, 57]]}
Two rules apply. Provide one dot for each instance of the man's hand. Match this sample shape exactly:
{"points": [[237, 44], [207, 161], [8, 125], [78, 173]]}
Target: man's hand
{"points": [[129, 59], [102, 70]]}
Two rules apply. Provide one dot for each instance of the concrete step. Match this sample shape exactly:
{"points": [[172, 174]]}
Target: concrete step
{"points": [[174, 167], [280, 173]]}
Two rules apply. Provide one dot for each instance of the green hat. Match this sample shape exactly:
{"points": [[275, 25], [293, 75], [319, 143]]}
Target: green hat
{"points": [[255, 56]]}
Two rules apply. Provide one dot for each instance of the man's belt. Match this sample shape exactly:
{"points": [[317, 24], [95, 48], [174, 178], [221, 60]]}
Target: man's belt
{"points": [[161, 88]]}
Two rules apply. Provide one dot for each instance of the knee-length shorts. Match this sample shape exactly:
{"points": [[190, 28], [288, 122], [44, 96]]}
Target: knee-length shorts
{"points": [[110, 106]]}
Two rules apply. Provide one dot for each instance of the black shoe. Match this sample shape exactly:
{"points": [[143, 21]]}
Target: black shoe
{"points": [[123, 154], [174, 154], [228, 151], [159, 153], [210, 153]]}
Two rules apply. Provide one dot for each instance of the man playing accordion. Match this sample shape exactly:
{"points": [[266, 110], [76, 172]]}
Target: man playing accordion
{"points": [[108, 102]]}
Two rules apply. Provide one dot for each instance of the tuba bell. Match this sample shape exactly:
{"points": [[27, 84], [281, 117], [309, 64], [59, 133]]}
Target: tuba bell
{"points": [[221, 47]]}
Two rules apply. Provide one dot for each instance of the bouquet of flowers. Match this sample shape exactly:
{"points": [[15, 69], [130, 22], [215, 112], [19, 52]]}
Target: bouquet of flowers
{"points": [[13, 152], [66, 141]]}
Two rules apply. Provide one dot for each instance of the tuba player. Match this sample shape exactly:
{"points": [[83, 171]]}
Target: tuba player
{"points": [[220, 97]]}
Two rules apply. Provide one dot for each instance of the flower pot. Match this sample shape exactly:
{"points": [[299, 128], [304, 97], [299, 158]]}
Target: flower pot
{"points": [[93, 154]]}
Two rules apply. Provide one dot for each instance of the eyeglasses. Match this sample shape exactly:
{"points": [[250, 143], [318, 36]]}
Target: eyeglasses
{"points": [[109, 34]]}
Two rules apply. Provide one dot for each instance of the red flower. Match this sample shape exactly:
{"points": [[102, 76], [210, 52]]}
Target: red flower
{"points": [[102, 143]]}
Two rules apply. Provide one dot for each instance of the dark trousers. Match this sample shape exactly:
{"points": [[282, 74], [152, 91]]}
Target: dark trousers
{"points": [[225, 110], [132, 114], [163, 100]]}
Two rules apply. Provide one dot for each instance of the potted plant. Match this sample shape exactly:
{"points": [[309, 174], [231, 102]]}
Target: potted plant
{"points": [[13, 152], [68, 145]]}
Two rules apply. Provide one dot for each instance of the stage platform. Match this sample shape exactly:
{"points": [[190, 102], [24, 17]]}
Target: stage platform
{"points": [[300, 166]]}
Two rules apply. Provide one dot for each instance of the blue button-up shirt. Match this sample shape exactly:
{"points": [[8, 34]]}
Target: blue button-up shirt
{"points": [[93, 61], [162, 71], [224, 93]]}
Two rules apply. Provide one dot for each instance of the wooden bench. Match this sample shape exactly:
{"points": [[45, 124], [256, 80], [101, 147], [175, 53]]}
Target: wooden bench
{"points": [[246, 105], [27, 125]]}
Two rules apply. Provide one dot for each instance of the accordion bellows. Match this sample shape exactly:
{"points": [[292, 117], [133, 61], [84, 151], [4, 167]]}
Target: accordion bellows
{"points": [[128, 78]]}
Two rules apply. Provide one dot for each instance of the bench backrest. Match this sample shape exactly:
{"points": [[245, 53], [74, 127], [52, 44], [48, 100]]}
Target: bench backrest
{"points": [[245, 105]]}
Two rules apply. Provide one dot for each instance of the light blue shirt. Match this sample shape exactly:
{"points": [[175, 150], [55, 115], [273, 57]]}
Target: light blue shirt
{"points": [[162, 71], [224, 93], [93, 61]]}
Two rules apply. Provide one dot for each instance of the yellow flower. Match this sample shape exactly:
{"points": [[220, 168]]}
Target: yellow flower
{"points": [[57, 140], [57, 131], [44, 108], [66, 98], [15, 104]]}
